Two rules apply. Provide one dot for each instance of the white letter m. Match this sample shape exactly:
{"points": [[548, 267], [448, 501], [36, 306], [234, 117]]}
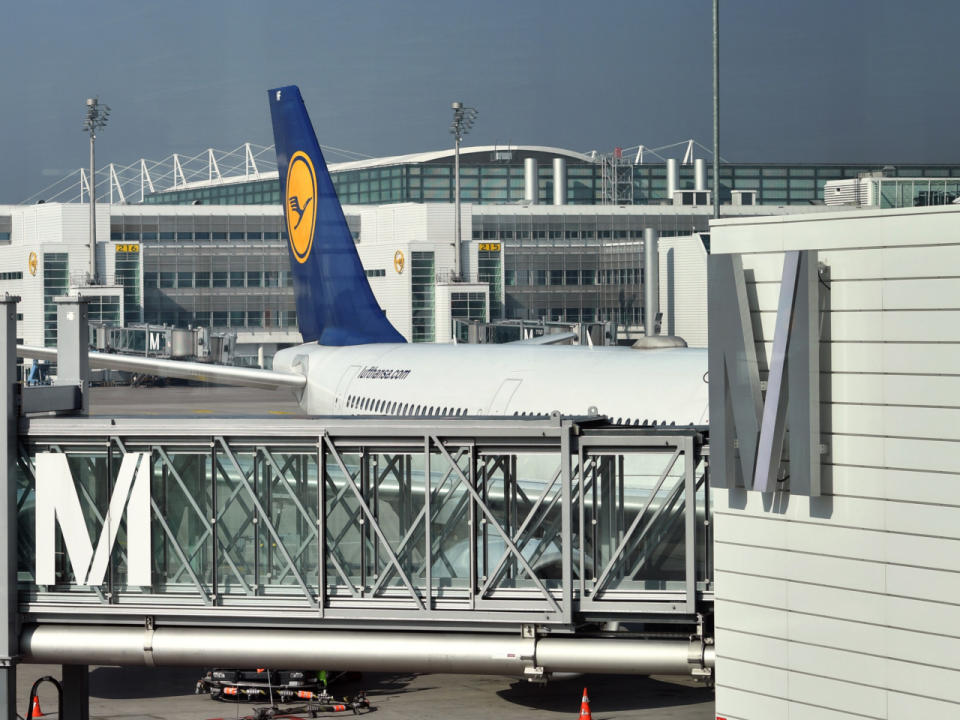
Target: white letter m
{"points": [[57, 502]]}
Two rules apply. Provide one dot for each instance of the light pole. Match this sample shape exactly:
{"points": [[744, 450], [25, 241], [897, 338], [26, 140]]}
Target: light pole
{"points": [[97, 116], [716, 108], [463, 118]]}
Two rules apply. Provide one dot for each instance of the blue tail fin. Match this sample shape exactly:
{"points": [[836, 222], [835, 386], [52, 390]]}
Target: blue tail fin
{"points": [[335, 305]]}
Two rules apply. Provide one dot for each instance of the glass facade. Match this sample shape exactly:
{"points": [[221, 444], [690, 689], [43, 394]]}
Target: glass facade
{"points": [[103, 309], [467, 306], [216, 271], [895, 193], [486, 180], [576, 268], [423, 293], [489, 271], [56, 283], [127, 274]]}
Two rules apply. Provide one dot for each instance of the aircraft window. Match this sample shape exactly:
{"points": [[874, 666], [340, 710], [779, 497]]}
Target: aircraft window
{"points": [[403, 409], [627, 422], [376, 405], [430, 411], [393, 409], [444, 411]]}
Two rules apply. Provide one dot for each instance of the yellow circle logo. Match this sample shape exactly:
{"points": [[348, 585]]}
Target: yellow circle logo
{"points": [[301, 205], [32, 263], [398, 261]]}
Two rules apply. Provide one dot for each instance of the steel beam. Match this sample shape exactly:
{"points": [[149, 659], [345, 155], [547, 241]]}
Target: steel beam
{"points": [[9, 631], [76, 692]]}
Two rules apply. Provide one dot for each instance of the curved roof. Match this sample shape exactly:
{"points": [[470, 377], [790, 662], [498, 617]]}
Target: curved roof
{"points": [[476, 154], [465, 153]]}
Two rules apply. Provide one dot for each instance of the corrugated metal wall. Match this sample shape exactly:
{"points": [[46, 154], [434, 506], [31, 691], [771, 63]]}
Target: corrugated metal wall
{"points": [[683, 288], [847, 605]]}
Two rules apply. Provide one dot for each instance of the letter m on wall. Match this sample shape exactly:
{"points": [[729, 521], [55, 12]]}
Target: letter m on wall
{"points": [[748, 431], [57, 503]]}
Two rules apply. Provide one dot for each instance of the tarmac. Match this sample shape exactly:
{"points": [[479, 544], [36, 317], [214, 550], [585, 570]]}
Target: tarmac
{"points": [[136, 693], [168, 694]]}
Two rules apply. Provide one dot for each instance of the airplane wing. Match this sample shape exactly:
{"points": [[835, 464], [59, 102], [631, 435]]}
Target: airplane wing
{"points": [[565, 338], [203, 372]]}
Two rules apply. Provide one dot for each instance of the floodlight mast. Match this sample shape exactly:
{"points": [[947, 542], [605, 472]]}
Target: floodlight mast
{"points": [[463, 118], [96, 119]]}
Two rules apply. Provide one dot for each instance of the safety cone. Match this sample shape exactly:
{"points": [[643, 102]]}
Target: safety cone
{"points": [[35, 711], [585, 707]]}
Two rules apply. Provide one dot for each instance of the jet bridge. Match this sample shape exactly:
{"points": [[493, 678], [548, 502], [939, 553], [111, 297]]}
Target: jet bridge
{"points": [[518, 546]]}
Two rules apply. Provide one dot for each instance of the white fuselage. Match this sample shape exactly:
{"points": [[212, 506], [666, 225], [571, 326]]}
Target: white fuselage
{"points": [[413, 379]]}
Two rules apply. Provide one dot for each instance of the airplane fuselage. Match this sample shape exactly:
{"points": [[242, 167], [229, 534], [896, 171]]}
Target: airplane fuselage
{"points": [[413, 379]]}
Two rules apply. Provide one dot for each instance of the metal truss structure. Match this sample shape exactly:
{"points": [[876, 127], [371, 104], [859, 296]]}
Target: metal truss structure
{"points": [[354, 523]]}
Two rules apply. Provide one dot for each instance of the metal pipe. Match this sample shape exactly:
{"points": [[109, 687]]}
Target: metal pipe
{"points": [[531, 186], [559, 181], [673, 178], [635, 657], [363, 651], [651, 282]]}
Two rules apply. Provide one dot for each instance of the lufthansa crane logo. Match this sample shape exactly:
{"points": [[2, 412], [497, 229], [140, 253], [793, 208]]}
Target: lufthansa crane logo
{"points": [[301, 204], [32, 263], [398, 261]]}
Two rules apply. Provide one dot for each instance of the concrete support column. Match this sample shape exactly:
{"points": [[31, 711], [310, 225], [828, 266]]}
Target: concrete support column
{"points": [[9, 632], [73, 341], [76, 692]]}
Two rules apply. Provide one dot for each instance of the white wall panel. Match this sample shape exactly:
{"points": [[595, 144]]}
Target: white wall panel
{"points": [[837, 695], [751, 648], [866, 579], [801, 567], [683, 288], [735, 704], [913, 707], [736, 673]]}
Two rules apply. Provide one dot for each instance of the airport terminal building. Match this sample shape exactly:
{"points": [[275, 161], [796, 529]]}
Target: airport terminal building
{"points": [[213, 252]]}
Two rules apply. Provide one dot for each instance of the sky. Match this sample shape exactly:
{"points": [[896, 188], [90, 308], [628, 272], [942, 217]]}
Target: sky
{"points": [[816, 81]]}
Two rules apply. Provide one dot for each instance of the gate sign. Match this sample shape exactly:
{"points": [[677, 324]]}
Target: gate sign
{"points": [[57, 503]]}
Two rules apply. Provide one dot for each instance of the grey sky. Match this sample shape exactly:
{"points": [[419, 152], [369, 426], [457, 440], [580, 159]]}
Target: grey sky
{"points": [[818, 81]]}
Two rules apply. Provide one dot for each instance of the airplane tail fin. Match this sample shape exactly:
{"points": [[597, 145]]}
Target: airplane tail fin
{"points": [[335, 305]]}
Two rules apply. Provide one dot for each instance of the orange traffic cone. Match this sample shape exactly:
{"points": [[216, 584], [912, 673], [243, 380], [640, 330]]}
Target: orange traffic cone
{"points": [[35, 711], [585, 707]]}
